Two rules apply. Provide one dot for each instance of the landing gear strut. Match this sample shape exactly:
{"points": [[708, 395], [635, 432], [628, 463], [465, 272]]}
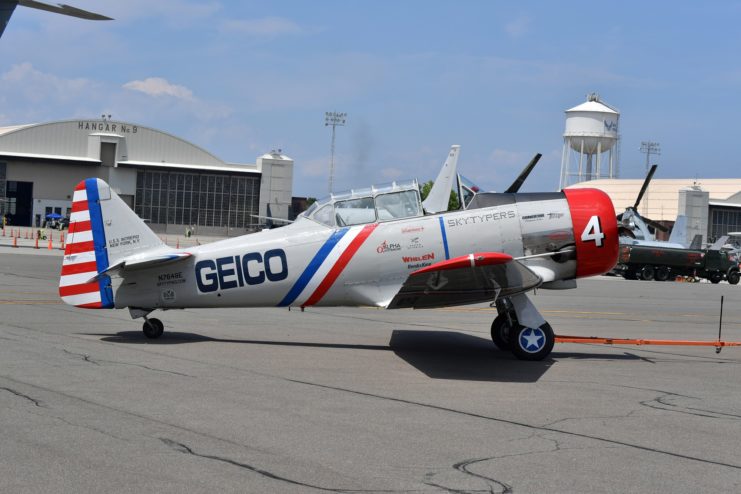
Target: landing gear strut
{"points": [[526, 343]]}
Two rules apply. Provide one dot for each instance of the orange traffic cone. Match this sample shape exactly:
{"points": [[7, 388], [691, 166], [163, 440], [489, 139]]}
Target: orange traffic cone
{"points": [[61, 245], [178, 244], [37, 242], [26, 234], [15, 242], [49, 246]]}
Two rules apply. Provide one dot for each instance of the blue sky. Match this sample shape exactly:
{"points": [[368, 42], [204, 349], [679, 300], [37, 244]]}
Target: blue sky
{"points": [[240, 78]]}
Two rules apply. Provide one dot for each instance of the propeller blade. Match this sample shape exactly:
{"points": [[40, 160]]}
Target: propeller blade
{"points": [[645, 185], [523, 175]]}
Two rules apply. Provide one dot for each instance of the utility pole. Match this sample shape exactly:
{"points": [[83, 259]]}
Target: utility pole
{"points": [[649, 148], [334, 119]]}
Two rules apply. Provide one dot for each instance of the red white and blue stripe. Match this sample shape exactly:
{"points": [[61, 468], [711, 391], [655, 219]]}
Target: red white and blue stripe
{"points": [[326, 266], [85, 254]]}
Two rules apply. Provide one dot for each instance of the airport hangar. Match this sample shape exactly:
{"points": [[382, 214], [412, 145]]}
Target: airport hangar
{"points": [[712, 206], [169, 182]]}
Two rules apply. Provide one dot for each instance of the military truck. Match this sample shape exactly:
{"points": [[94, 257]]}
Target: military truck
{"points": [[663, 263]]}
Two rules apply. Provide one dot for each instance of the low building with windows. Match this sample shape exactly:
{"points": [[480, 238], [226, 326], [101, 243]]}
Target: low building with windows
{"points": [[169, 182]]}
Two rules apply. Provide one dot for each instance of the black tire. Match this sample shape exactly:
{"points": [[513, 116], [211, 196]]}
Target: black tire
{"points": [[647, 272], [629, 274], [153, 328], [733, 277], [661, 273], [533, 343], [500, 331], [716, 277]]}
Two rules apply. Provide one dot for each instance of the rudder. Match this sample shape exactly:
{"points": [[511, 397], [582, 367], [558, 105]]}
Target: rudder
{"points": [[102, 230]]}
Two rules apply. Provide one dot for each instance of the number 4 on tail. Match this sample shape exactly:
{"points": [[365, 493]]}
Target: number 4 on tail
{"points": [[593, 231]]}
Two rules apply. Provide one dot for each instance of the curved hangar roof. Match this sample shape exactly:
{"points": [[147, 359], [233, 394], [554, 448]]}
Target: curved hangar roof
{"points": [[79, 140], [661, 200]]}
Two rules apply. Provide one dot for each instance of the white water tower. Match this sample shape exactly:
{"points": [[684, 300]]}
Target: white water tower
{"points": [[590, 140]]}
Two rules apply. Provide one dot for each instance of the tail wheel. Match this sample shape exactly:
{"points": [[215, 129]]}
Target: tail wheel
{"points": [[500, 332], [532, 343], [647, 273], [153, 328], [733, 277], [661, 273]]}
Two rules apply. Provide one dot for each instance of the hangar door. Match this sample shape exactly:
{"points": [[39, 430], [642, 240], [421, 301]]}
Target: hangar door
{"points": [[19, 202]]}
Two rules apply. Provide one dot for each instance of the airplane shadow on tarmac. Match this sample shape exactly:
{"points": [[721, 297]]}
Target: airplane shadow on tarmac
{"points": [[437, 354]]}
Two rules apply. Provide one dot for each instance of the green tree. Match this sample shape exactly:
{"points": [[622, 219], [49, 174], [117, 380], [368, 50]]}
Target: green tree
{"points": [[453, 202]]}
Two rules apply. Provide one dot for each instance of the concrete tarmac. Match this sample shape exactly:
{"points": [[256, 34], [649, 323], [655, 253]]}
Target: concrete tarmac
{"points": [[366, 400]]}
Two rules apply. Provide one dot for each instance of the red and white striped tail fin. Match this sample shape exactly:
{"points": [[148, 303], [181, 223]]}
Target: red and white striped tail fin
{"points": [[102, 231]]}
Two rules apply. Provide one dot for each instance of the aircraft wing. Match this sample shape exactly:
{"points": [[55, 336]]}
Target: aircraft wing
{"points": [[474, 278]]}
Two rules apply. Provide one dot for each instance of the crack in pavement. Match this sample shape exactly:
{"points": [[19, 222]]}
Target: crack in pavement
{"points": [[36, 402], [660, 399], [521, 424], [698, 412], [183, 448], [88, 358]]}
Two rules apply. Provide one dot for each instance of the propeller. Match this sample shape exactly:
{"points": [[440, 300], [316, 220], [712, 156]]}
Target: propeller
{"points": [[523, 175], [632, 220]]}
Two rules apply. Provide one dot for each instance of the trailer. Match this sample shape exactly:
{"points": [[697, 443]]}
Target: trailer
{"points": [[663, 263]]}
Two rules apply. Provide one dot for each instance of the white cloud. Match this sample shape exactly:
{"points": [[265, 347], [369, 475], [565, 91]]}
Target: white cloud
{"points": [[268, 26], [157, 86]]}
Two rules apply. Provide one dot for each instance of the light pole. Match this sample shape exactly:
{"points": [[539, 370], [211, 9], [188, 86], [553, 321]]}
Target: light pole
{"points": [[649, 148], [334, 119]]}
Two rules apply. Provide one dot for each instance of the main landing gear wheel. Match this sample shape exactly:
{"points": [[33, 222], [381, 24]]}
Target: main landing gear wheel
{"points": [[532, 343], [500, 331], [153, 328]]}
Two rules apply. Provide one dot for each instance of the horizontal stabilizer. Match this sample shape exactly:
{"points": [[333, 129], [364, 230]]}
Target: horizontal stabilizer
{"points": [[480, 277], [143, 261]]}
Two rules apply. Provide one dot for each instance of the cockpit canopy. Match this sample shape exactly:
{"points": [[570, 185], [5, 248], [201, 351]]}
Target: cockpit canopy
{"points": [[392, 201]]}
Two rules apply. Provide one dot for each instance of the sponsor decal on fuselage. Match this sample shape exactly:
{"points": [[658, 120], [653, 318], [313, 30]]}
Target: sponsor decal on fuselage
{"points": [[423, 257], [419, 265], [553, 216], [388, 247], [252, 268], [412, 229], [481, 218], [534, 217], [415, 243]]}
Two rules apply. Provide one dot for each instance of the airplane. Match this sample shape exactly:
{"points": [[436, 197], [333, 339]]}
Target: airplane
{"points": [[380, 246], [8, 6], [634, 228]]}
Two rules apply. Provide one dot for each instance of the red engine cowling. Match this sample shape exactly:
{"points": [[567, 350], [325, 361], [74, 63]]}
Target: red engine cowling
{"points": [[595, 231]]}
